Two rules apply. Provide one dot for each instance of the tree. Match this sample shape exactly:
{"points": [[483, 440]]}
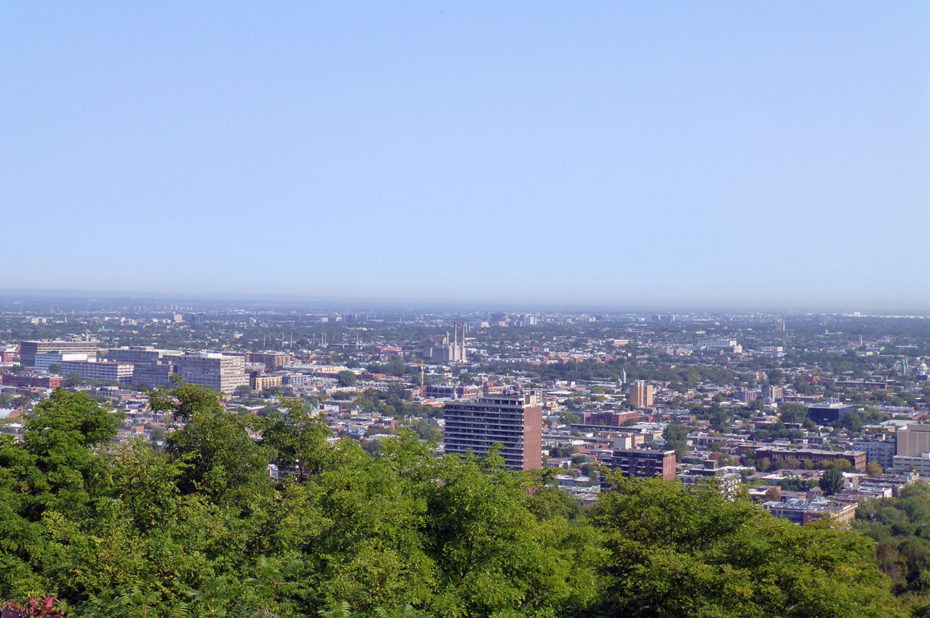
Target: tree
{"points": [[220, 457], [395, 366], [873, 468], [678, 551], [832, 481], [676, 438], [720, 419], [792, 412], [201, 529], [492, 553], [427, 431], [560, 450], [346, 378], [578, 459], [298, 439], [73, 379], [852, 421], [242, 391], [54, 368], [59, 434], [788, 463]]}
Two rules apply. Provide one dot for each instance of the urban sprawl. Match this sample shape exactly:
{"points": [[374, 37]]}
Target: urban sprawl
{"points": [[807, 414]]}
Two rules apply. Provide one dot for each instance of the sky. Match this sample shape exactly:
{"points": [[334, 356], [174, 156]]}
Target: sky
{"points": [[719, 154]]}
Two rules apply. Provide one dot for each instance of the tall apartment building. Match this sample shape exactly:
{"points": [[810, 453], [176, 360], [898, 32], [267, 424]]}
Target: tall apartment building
{"points": [[217, 371], [913, 440], [105, 371], [641, 394], [773, 392], [29, 349], [512, 420]]}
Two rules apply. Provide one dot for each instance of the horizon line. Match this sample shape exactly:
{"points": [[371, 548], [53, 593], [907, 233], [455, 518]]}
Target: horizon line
{"points": [[435, 303]]}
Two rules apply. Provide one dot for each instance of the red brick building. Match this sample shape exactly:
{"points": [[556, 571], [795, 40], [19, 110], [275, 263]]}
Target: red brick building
{"points": [[643, 463], [30, 380]]}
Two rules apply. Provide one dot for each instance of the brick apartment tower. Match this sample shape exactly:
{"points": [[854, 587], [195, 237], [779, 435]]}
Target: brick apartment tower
{"points": [[513, 420], [641, 394]]}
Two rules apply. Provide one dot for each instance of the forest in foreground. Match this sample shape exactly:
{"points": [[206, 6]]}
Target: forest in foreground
{"points": [[200, 529]]}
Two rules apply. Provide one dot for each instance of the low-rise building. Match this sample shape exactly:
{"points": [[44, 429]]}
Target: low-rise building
{"points": [[881, 451], [643, 463], [261, 382], [826, 413], [856, 458], [25, 380], [801, 511], [913, 463]]}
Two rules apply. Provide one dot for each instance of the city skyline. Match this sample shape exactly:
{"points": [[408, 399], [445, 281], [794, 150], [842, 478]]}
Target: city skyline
{"points": [[714, 156]]}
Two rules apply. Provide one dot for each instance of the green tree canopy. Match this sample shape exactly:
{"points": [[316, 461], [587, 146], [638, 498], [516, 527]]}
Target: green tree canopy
{"points": [[832, 481], [346, 378], [201, 529]]}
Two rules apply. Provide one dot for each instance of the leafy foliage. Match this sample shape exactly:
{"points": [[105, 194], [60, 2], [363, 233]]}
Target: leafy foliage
{"points": [[200, 529], [832, 481], [674, 552], [901, 529]]}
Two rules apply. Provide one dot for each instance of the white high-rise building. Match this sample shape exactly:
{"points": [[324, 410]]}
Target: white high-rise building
{"points": [[220, 372]]}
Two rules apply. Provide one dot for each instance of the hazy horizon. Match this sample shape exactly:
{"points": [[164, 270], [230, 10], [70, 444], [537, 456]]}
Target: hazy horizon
{"points": [[764, 156], [511, 305]]}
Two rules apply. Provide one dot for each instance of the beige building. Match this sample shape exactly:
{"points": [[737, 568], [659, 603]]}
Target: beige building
{"points": [[271, 360], [220, 372], [262, 382], [913, 440], [641, 394]]}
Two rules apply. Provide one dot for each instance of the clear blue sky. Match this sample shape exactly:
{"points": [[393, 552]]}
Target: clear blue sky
{"points": [[587, 153]]}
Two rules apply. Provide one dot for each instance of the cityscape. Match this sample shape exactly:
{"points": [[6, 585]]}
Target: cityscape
{"points": [[758, 402], [402, 310]]}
